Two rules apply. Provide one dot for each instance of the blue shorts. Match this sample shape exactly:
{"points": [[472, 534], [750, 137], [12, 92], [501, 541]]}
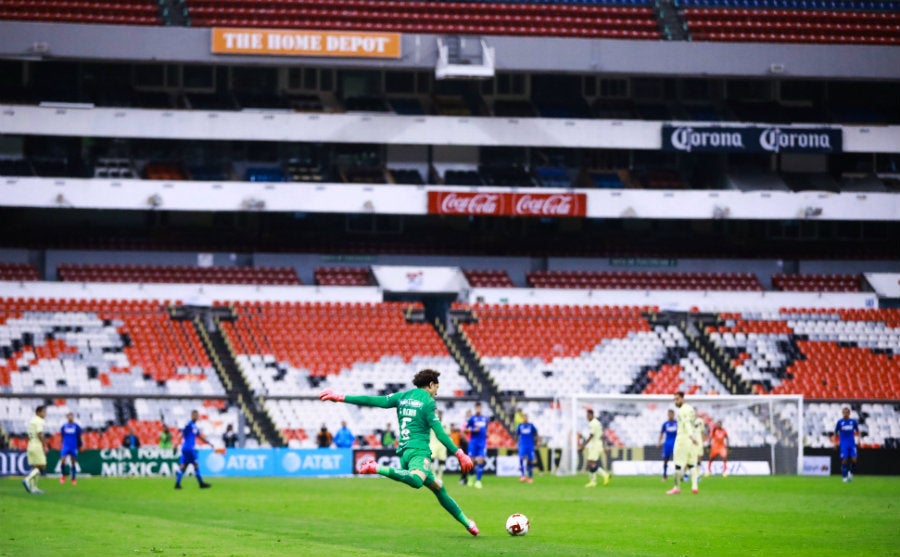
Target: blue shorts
{"points": [[477, 447], [66, 451], [526, 452], [188, 456], [668, 451], [848, 451]]}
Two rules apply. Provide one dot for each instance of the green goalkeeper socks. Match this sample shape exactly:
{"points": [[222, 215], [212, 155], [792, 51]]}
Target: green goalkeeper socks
{"points": [[450, 505], [412, 480]]}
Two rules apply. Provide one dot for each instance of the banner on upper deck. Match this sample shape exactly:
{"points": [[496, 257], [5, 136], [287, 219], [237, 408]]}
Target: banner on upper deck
{"points": [[751, 139], [305, 42]]}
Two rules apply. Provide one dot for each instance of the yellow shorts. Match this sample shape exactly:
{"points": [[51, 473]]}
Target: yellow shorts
{"points": [[685, 453], [593, 452], [439, 452], [36, 456]]}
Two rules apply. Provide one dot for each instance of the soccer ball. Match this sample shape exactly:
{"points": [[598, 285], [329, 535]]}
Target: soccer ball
{"points": [[517, 524]]}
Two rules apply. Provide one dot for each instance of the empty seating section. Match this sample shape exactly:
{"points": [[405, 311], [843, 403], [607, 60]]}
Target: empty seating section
{"points": [[88, 356], [323, 339], [879, 424], [343, 276], [488, 278], [642, 428], [97, 418], [567, 349], [556, 351], [836, 354], [855, 25], [132, 12], [18, 271], [632, 280], [297, 349], [408, 16], [817, 283], [109, 347], [178, 274]]}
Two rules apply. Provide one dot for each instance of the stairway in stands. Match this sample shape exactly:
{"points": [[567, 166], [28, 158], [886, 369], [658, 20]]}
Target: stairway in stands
{"points": [[717, 360], [671, 24], [484, 386], [206, 322]]}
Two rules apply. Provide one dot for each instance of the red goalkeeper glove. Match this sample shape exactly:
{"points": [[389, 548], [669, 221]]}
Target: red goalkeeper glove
{"points": [[328, 394], [465, 463]]}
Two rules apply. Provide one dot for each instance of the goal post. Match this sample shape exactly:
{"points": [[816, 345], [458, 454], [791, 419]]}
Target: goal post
{"points": [[763, 430]]}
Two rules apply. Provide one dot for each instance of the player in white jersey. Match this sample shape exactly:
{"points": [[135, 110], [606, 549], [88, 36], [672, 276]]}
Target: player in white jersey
{"points": [[593, 450], [37, 450], [438, 450], [686, 444]]}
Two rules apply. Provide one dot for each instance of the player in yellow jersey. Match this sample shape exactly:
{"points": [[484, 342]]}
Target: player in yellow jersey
{"points": [[438, 450], [37, 450], [686, 443], [593, 450]]}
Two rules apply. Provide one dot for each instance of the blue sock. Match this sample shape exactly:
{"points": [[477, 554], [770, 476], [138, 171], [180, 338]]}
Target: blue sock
{"points": [[530, 470], [178, 476], [479, 470], [197, 473], [521, 466], [844, 470], [74, 469]]}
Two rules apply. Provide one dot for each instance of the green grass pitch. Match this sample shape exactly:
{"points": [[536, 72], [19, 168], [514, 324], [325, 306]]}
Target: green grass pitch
{"points": [[372, 517]]}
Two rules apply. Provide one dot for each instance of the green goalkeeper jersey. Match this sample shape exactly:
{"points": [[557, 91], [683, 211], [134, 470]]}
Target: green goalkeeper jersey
{"points": [[416, 415]]}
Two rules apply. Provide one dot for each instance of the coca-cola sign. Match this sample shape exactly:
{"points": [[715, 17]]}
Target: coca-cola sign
{"points": [[507, 204], [459, 203]]}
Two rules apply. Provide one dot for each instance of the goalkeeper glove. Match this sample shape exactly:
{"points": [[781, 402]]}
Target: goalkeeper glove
{"points": [[465, 463], [328, 394]]}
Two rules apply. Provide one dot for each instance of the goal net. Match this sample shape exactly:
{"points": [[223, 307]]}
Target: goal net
{"points": [[764, 431]]}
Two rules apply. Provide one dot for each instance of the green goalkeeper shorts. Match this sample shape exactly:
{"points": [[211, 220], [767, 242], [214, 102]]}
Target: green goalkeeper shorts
{"points": [[417, 459]]}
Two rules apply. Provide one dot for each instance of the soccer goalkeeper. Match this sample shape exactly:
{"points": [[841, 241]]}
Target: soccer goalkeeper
{"points": [[416, 414]]}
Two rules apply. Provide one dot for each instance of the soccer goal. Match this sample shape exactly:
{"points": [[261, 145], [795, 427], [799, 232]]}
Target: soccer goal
{"points": [[765, 432]]}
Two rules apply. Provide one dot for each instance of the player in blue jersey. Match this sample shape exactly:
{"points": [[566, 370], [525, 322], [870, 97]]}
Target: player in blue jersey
{"points": [[189, 436], [847, 430], [71, 442], [477, 426], [667, 441], [527, 436]]}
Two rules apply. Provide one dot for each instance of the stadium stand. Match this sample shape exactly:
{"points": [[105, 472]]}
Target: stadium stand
{"points": [[822, 24], [489, 278], [295, 350], [177, 274], [481, 18], [139, 12], [634, 280], [18, 271], [819, 354], [343, 276], [817, 283], [100, 346]]}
